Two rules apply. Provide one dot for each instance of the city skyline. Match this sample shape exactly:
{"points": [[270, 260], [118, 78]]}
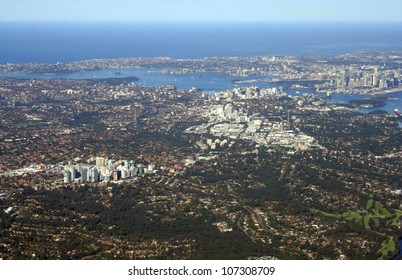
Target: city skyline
{"points": [[197, 11]]}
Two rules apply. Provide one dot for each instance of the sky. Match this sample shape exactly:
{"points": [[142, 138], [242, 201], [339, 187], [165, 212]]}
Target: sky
{"points": [[200, 10]]}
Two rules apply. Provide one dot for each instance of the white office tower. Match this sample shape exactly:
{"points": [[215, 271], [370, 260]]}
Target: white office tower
{"points": [[67, 177], [228, 110], [125, 173], [73, 172]]}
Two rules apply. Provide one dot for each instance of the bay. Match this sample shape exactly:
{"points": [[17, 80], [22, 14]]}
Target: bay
{"points": [[209, 82]]}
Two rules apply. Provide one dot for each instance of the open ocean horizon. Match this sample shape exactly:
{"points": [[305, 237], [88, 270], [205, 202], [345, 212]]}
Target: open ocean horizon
{"points": [[66, 42]]}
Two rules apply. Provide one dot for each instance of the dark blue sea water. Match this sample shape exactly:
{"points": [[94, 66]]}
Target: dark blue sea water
{"points": [[64, 42]]}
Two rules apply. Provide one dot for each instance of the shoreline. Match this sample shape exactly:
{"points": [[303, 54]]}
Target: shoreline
{"points": [[371, 93], [45, 76]]}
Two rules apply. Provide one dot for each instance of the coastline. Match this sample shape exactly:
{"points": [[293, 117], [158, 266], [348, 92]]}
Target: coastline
{"points": [[25, 76], [383, 92], [371, 93]]}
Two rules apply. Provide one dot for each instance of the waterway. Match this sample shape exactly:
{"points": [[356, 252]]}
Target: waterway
{"points": [[209, 82]]}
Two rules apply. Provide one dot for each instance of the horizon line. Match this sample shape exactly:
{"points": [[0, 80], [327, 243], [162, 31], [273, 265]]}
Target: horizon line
{"points": [[199, 21]]}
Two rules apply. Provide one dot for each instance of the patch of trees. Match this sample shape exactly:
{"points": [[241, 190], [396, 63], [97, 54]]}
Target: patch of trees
{"points": [[81, 200]]}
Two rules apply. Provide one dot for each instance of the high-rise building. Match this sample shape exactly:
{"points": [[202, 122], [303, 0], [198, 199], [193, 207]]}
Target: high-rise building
{"points": [[106, 178], [67, 177], [375, 77], [383, 83], [346, 78], [93, 174], [365, 79], [126, 164], [116, 175], [133, 172], [104, 170], [111, 163], [125, 173], [100, 162], [376, 72], [249, 93], [84, 174], [228, 110], [73, 172]]}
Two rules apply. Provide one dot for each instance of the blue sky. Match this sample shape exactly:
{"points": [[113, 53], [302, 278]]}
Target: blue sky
{"points": [[201, 10]]}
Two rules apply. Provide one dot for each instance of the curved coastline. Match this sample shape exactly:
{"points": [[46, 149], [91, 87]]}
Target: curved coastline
{"points": [[212, 82]]}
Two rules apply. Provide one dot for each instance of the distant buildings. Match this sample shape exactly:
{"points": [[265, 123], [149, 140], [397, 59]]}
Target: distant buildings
{"points": [[104, 170], [350, 79], [230, 120]]}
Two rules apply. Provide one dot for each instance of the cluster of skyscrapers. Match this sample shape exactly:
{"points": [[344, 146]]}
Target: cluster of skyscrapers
{"points": [[104, 170], [350, 78], [250, 92], [229, 112]]}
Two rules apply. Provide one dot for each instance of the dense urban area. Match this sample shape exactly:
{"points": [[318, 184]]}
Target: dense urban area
{"points": [[110, 169]]}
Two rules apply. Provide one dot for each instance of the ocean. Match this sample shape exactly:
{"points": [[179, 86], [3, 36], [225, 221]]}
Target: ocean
{"points": [[66, 42]]}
